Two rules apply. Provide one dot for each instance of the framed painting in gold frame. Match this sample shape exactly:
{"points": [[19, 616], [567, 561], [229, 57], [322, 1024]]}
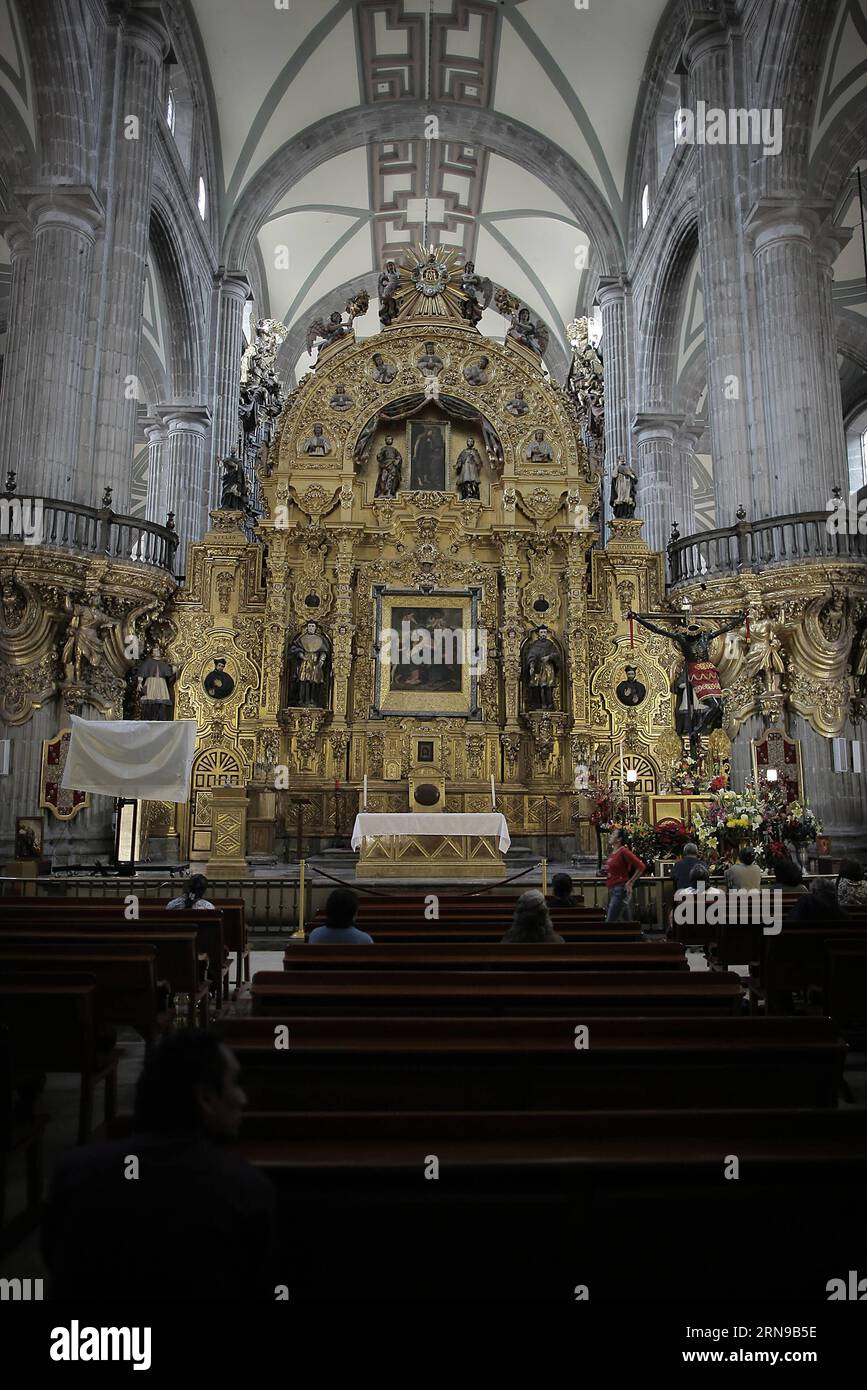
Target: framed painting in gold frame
{"points": [[428, 653]]}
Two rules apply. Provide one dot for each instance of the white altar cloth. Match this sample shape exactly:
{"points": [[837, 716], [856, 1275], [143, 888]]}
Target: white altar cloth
{"points": [[371, 823]]}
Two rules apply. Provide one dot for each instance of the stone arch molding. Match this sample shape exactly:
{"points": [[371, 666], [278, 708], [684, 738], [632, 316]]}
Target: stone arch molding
{"points": [[360, 126]]}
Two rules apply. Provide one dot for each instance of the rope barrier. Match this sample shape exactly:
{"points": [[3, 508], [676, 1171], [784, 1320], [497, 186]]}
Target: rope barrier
{"points": [[377, 893]]}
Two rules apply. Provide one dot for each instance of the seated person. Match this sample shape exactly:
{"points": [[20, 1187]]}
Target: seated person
{"points": [[194, 896], [819, 907], [561, 892], [109, 1235], [339, 928], [681, 871], [788, 876], [851, 885], [532, 920], [699, 883], [746, 873]]}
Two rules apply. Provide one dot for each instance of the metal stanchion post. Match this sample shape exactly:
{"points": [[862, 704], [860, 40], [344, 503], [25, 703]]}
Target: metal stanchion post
{"points": [[301, 867]]}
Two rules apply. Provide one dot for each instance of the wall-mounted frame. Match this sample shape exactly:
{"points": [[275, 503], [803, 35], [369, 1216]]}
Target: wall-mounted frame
{"points": [[427, 646]]}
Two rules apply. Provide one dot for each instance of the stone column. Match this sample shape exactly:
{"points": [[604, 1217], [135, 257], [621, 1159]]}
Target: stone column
{"points": [[156, 434], [806, 442], [185, 473], [234, 290], [658, 505], [66, 220], [685, 446], [708, 58], [611, 294], [18, 235], [142, 47]]}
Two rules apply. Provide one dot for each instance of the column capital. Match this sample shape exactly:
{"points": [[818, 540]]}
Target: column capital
{"points": [[611, 289], [142, 25], [779, 218], [234, 284], [16, 228], [691, 431], [155, 428], [707, 32], [67, 205], [651, 425], [187, 419]]}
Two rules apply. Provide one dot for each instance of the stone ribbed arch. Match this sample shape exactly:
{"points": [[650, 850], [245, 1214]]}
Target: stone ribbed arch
{"points": [[841, 147], [405, 120], [660, 312], [63, 100], [188, 355]]}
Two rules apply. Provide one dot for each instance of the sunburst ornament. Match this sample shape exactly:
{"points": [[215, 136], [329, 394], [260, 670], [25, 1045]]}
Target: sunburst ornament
{"points": [[430, 284]]}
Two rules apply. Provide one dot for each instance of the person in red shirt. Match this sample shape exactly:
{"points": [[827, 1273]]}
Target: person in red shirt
{"points": [[622, 869]]}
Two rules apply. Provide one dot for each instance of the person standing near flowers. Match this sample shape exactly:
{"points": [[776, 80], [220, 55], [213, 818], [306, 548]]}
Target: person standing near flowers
{"points": [[622, 871]]}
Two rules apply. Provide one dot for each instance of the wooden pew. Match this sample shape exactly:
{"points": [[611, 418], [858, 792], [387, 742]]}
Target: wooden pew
{"points": [[490, 935], [18, 1134], [574, 993], [52, 1022], [233, 911], [177, 955], [628, 1204], [845, 988], [67, 915], [368, 1063], [124, 972], [593, 955], [795, 960]]}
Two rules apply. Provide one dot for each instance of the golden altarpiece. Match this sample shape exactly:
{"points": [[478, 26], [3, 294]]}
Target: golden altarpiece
{"points": [[364, 529]]}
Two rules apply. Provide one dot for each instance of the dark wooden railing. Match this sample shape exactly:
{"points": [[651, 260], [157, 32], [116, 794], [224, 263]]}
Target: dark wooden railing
{"points": [[753, 545], [86, 530]]}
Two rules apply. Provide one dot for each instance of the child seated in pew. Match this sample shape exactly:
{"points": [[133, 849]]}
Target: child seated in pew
{"points": [[339, 928], [112, 1231], [561, 892], [532, 920], [193, 898]]}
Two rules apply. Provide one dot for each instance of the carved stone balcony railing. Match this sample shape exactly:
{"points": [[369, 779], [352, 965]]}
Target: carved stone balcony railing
{"points": [[86, 530], [753, 545]]}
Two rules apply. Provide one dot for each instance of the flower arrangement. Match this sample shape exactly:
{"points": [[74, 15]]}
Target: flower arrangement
{"points": [[608, 810], [760, 818]]}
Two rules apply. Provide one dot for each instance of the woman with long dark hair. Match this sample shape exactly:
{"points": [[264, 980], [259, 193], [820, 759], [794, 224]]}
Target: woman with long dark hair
{"points": [[532, 920]]}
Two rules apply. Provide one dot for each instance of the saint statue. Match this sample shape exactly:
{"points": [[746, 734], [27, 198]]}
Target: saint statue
{"points": [[83, 644], [699, 695], [765, 656], [539, 450], [429, 362], [317, 444], [469, 471], [233, 491], [155, 679], [478, 290], [541, 671], [340, 400], [476, 373], [518, 404], [630, 691], [529, 334], [624, 485], [308, 658], [388, 282], [383, 372], [390, 462]]}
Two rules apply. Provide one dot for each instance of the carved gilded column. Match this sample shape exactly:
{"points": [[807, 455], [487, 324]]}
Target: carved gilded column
{"points": [[510, 632], [276, 615], [342, 626], [576, 544]]}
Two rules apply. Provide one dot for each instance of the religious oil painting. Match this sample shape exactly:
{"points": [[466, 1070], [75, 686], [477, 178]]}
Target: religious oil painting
{"points": [[427, 447], [428, 652]]}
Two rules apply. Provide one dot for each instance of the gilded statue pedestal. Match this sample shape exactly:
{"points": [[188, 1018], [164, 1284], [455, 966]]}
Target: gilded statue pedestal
{"points": [[229, 833], [430, 857]]}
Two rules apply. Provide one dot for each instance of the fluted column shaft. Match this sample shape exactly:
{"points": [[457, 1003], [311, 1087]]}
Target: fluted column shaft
{"points": [[800, 381], [722, 254], [657, 504], [683, 493], [65, 227], [141, 48], [186, 452], [156, 505], [19, 239], [612, 301], [234, 290]]}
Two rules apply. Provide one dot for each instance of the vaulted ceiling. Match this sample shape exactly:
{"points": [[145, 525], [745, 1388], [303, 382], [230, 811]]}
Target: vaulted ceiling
{"points": [[571, 74]]}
